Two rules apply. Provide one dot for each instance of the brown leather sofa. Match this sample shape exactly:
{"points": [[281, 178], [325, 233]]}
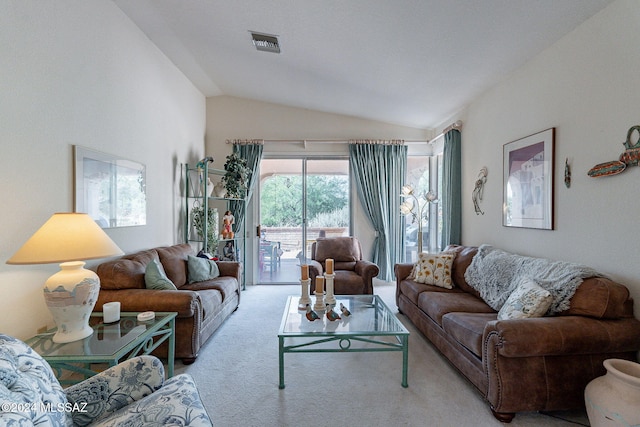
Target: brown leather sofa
{"points": [[519, 365], [202, 306], [353, 275]]}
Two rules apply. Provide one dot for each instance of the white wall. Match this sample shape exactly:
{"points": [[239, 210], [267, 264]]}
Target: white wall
{"points": [[237, 118], [587, 86], [79, 72]]}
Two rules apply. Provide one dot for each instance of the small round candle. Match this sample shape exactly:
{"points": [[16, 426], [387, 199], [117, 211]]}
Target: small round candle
{"points": [[304, 271], [319, 285]]}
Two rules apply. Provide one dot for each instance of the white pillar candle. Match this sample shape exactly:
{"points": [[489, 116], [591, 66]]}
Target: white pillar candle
{"points": [[111, 312]]}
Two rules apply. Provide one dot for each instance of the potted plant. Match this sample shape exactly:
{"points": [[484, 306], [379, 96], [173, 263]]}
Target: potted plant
{"points": [[212, 226], [235, 177]]}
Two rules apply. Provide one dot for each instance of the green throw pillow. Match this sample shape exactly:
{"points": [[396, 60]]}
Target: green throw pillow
{"points": [[201, 269], [156, 278]]}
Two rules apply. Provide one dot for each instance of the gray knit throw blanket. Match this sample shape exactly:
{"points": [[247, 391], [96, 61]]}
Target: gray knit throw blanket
{"points": [[495, 273]]}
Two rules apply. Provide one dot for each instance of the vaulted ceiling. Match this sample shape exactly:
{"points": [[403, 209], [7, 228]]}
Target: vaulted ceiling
{"points": [[407, 62]]}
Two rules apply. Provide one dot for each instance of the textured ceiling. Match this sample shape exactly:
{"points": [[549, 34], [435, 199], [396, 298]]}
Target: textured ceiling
{"points": [[408, 62]]}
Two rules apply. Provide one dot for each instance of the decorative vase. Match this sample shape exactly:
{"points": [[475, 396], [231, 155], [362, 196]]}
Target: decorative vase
{"points": [[614, 398], [219, 190], [209, 187]]}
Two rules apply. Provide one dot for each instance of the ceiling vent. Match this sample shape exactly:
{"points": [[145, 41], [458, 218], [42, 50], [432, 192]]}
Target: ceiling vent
{"points": [[265, 42]]}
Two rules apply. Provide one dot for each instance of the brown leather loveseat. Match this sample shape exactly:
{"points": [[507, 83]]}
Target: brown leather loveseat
{"points": [[202, 306], [519, 365]]}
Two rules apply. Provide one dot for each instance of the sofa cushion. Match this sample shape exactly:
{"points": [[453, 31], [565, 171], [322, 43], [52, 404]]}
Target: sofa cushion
{"points": [[437, 304], [464, 256], [351, 283], [211, 301], [528, 299], [413, 289], [340, 249], [600, 298], [226, 285], [201, 269], [434, 269], [126, 272], [467, 328], [174, 261], [156, 278]]}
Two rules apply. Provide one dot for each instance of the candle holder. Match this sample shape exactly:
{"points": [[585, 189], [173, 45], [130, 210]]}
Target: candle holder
{"points": [[330, 298], [319, 305], [304, 299]]}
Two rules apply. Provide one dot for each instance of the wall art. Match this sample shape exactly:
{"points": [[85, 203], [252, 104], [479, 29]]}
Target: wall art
{"points": [[528, 165], [630, 157], [112, 190], [478, 190]]}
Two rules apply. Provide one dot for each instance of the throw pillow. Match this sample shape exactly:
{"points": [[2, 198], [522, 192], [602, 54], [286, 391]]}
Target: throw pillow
{"points": [[156, 278], [527, 300], [201, 269], [435, 269]]}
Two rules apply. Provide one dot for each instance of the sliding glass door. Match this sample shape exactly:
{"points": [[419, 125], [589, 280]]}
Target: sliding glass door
{"points": [[301, 200]]}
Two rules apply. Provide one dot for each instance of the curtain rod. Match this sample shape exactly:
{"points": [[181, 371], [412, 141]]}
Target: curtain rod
{"points": [[456, 125], [329, 141]]}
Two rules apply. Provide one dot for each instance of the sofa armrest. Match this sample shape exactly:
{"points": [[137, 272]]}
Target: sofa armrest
{"points": [[402, 271], [185, 302], [366, 269], [106, 392], [229, 268], [553, 336]]}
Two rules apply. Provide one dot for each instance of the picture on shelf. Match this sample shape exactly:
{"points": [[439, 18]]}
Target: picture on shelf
{"points": [[229, 251]]}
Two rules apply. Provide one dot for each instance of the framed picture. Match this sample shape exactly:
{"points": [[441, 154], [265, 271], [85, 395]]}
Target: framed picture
{"points": [[528, 181], [112, 190]]}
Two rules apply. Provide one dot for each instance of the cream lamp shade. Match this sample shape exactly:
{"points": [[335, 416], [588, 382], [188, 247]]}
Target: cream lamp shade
{"points": [[71, 293]]}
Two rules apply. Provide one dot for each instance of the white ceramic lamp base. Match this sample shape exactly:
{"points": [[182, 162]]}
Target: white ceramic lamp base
{"points": [[70, 295]]}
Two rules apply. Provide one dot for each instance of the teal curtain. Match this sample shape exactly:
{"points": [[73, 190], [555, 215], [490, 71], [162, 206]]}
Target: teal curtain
{"points": [[452, 189], [251, 151], [379, 171]]}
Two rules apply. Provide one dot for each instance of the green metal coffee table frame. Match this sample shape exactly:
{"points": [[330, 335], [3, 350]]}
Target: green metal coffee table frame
{"points": [[139, 338], [371, 322]]}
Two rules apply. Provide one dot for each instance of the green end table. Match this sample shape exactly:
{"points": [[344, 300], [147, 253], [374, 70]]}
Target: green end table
{"points": [[109, 343]]}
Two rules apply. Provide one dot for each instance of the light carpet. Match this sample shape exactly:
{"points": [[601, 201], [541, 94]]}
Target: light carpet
{"points": [[237, 375]]}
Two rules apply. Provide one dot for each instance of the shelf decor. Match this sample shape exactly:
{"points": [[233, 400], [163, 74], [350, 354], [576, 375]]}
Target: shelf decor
{"points": [[212, 225], [235, 177], [528, 181]]}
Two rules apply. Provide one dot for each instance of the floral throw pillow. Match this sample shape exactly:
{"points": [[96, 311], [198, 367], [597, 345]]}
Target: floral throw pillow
{"points": [[434, 269], [527, 300]]}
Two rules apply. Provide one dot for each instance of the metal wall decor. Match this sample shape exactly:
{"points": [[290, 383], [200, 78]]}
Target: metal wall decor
{"points": [[478, 189], [630, 157]]}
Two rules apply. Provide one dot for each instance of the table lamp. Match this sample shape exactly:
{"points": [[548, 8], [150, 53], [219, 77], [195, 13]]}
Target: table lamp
{"points": [[71, 293]]}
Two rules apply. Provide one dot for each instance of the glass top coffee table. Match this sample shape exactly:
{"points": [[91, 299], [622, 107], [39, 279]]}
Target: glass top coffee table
{"points": [[372, 326]]}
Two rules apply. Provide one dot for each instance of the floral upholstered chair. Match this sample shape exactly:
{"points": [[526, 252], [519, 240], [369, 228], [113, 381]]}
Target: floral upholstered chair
{"points": [[132, 393]]}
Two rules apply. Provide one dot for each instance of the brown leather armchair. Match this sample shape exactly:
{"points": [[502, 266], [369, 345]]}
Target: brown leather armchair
{"points": [[354, 276]]}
